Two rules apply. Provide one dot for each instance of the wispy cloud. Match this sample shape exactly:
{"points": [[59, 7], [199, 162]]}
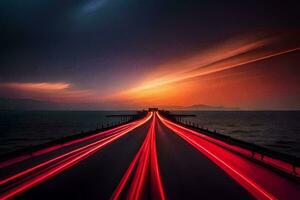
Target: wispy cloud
{"points": [[92, 6], [40, 86], [215, 72], [54, 91], [227, 56]]}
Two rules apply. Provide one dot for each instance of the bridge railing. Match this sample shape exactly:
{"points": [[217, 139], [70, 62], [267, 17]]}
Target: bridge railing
{"points": [[28, 152], [280, 162]]}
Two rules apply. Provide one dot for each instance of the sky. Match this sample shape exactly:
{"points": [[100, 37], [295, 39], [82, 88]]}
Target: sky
{"points": [[131, 54]]}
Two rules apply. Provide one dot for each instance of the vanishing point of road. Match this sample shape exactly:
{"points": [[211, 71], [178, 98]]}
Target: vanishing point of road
{"points": [[150, 158]]}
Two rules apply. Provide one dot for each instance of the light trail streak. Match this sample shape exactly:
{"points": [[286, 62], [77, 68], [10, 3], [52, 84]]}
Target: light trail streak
{"points": [[76, 156], [65, 144], [52, 160], [60, 157], [213, 153], [278, 164], [158, 192], [144, 160], [138, 182], [117, 193]]}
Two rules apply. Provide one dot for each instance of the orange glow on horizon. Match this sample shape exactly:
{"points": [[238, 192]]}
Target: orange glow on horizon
{"points": [[215, 77], [50, 91], [252, 72]]}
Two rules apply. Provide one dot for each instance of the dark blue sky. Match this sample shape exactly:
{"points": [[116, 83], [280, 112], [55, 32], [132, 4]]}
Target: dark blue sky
{"points": [[93, 43]]}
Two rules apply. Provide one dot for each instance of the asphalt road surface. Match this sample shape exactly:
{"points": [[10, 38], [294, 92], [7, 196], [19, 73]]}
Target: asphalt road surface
{"points": [[146, 159]]}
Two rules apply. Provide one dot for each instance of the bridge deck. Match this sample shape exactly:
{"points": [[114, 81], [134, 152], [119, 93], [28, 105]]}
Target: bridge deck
{"points": [[150, 158]]}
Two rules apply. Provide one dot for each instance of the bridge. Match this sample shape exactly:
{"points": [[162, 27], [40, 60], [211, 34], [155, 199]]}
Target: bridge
{"points": [[152, 157]]}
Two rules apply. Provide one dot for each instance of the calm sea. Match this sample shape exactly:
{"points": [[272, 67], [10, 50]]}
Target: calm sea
{"points": [[19, 129], [278, 130]]}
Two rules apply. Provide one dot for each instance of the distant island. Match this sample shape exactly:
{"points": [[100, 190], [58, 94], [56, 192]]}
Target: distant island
{"points": [[31, 104]]}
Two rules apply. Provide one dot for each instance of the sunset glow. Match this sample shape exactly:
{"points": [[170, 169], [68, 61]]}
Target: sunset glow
{"points": [[37, 86], [151, 99], [100, 57], [232, 75]]}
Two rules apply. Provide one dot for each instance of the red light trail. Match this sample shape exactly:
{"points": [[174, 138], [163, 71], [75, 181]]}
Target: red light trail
{"points": [[259, 181], [145, 160], [65, 144], [54, 166], [142, 178]]}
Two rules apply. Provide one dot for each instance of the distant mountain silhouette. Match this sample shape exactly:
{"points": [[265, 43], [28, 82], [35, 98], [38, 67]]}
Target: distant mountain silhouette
{"points": [[199, 107], [31, 104]]}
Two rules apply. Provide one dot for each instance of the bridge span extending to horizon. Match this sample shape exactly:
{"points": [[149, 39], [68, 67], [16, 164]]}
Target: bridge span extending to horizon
{"points": [[149, 158]]}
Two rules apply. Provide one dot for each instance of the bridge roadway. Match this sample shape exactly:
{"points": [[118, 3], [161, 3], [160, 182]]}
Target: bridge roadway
{"points": [[151, 158]]}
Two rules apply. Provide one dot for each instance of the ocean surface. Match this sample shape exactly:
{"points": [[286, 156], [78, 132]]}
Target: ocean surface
{"points": [[20, 129], [277, 130]]}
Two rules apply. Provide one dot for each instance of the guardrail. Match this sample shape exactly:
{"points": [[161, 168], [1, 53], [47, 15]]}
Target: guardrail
{"points": [[29, 151], [280, 162]]}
